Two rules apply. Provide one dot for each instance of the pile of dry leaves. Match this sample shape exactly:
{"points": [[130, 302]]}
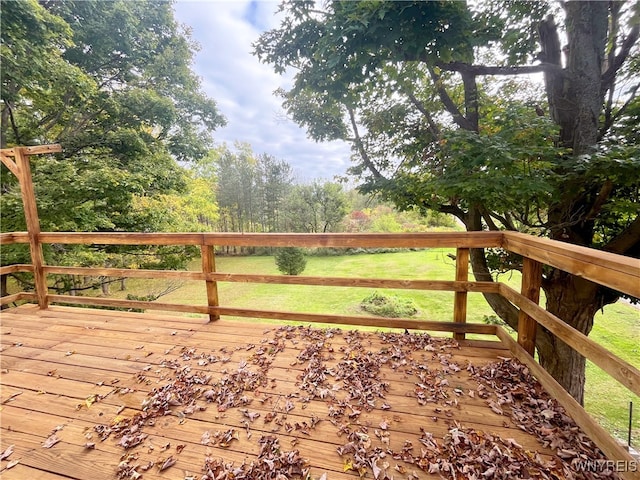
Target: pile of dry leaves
{"points": [[272, 464], [512, 390], [349, 381]]}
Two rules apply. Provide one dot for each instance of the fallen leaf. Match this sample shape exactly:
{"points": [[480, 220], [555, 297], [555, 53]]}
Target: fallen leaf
{"points": [[130, 441], [7, 452], [51, 441], [252, 416], [169, 462], [90, 400]]}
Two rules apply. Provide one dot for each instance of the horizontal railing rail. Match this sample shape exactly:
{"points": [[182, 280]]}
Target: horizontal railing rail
{"points": [[305, 240], [613, 271]]}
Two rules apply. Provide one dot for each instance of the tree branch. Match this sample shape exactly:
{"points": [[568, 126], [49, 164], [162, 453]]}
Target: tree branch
{"points": [[471, 99], [359, 145], [504, 219], [601, 198], [486, 215], [626, 243], [14, 125], [462, 67], [614, 27], [435, 130], [452, 210], [610, 119], [449, 104], [608, 77]]}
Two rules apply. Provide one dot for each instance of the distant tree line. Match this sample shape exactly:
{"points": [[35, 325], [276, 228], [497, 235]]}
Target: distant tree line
{"points": [[258, 193]]}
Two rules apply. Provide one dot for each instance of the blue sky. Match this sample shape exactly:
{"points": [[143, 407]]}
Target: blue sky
{"points": [[243, 87]]}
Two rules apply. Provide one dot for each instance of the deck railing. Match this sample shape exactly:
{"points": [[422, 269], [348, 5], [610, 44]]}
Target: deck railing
{"points": [[614, 271]]}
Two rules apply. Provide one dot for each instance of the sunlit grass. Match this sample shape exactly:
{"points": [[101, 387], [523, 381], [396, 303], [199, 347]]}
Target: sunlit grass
{"points": [[617, 329]]}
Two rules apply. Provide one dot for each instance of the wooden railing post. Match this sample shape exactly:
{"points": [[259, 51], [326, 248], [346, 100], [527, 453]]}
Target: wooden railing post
{"points": [[460, 299], [531, 280], [209, 266], [33, 224]]}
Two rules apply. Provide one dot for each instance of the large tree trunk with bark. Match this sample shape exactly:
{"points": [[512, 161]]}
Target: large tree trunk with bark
{"points": [[575, 301], [576, 100]]}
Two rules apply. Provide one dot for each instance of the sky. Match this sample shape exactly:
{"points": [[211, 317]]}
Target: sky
{"points": [[243, 87]]}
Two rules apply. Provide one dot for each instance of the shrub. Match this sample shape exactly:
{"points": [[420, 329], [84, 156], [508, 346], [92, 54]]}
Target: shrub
{"points": [[290, 260], [389, 306]]}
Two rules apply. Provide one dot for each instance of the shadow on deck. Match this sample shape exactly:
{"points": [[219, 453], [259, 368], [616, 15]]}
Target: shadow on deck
{"points": [[90, 394]]}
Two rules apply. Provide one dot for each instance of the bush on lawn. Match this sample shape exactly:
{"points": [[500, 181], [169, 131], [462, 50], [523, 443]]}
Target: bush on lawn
{"points": [[389, 306]]}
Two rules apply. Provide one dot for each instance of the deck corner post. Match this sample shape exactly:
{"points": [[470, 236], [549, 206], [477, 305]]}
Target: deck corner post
{"points": [[531, 281], [33, 225], [460, 298], [209, 266]]}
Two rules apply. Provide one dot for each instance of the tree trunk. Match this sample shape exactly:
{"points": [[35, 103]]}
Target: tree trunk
{"points": [[576, 100], [105, 286], [575, 301], [564, 364]]}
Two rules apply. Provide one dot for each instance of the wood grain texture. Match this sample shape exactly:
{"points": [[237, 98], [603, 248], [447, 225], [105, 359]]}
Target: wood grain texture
{"points": [[10, 238], [460, 298], [33, 225], [622, 371], [610, 446], [16, 297], [50, 372], [531, 281], [436, 285], [305, 240], [615, 271], [33, 150], [381, 322], [10, 164], [18, 267], [209, 267]]}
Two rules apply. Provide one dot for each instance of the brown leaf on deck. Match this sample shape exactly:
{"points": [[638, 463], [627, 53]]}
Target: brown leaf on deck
{"points": [[7, 452], [164, 464], [51, 441]]}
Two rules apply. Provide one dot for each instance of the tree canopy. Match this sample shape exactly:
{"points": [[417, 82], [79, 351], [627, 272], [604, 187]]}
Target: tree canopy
{"points": [[112, 83], [438, 102]]}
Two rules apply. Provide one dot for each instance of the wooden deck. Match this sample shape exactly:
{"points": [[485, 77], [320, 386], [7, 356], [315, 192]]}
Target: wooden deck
{"points": [[202, 395]]}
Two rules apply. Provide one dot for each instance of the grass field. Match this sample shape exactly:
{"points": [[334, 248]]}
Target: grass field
{"points": [[617, 327]]}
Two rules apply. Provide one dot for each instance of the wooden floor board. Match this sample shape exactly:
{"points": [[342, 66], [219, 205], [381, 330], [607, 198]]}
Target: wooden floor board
{"points": [[66, 370]]}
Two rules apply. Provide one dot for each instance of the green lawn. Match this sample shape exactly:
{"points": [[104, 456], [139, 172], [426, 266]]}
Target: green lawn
{"points": [[618, 330], [617, 327], [431, 264]]}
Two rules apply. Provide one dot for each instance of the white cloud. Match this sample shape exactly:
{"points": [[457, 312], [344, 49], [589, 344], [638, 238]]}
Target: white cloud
{"points": [[243, 87]]}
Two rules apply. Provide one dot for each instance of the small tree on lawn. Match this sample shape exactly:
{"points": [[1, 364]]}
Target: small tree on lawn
{"points": [[290, 260]]}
